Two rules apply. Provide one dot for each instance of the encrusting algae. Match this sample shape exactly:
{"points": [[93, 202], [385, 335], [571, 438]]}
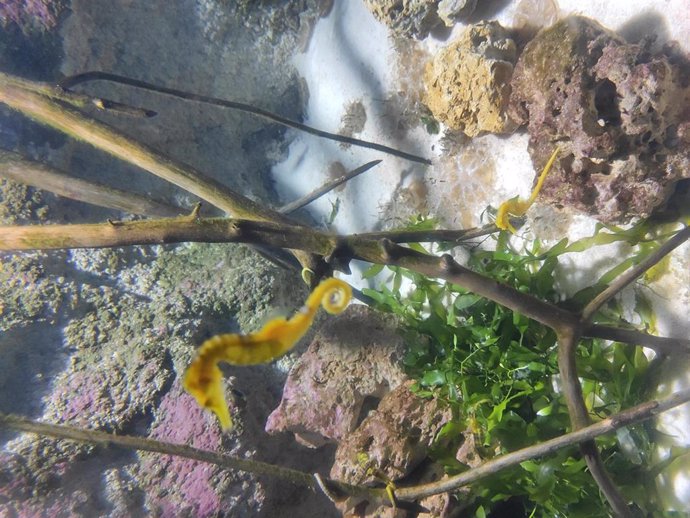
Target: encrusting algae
{"points": [[203, 378]]}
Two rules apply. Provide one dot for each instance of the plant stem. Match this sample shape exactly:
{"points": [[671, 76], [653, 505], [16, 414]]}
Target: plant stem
{"points": [[579, 418]]}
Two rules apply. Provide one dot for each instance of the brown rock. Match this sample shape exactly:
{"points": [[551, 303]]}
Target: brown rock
{"points": [[618, 111], [394, 438], [407, 18], [468, 82], [393, 443], [355, 358]]}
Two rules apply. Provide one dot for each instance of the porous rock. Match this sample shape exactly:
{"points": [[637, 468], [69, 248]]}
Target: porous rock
{"points": [[468, 82], [451, 11], [354, 357], [417, 18], [392, 442], [394, 438], [617, 110], [408, 18]]}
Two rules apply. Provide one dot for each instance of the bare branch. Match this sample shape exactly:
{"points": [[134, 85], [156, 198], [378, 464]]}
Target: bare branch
{"points": [[180, 450], [326, 188], [21, 95], [28, 172], [579, 418], [222, 230], [660, 344], [105, 76], [283, 236], [627, 417], [633, 273]]}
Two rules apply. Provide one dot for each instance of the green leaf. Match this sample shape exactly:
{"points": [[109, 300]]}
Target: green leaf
{"points": [[433, 378], [372, 271]]}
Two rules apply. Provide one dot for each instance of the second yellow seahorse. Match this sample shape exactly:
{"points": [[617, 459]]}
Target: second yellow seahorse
{"points": [[516, 206], [204, 379]]}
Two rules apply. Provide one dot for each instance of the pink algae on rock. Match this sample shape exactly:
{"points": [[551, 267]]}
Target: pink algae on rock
{"points": [[618, 111], [31, 14], [175, 485], [353, 359]]}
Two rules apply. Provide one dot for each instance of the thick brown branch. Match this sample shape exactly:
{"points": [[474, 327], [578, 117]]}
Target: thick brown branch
{"points": [[159, 231], [222, 230], [282, 236], [659, 344], [579, 418]]}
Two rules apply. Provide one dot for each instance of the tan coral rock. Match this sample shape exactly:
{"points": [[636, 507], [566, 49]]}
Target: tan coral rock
{"points": [[468, 82]]}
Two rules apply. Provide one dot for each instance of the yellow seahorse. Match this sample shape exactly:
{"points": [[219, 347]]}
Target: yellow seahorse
{"points": [[203, 378], [516, 206]]}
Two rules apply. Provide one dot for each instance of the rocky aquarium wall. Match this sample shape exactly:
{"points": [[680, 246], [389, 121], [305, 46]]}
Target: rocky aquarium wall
{"points": [[461, 105]]}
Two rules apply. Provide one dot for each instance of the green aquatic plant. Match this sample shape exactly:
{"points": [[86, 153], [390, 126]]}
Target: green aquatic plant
{"points": [[501, 310], [498, 371]]}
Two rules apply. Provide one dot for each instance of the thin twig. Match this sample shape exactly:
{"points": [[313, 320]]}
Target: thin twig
{"points": [[579, 418], [83, 101], [105, 76], [180, 450], [430, 236], [633, 273], [627, 417], [291, 207], [21, 170]]}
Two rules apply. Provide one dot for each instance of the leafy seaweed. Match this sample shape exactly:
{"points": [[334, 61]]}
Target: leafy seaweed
{"points": [[498, 371]]}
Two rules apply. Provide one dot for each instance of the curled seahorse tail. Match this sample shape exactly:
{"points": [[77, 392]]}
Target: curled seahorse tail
{"points": [[333, 294]]}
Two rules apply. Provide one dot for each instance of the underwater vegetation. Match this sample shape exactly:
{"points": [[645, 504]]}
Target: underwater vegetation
{"points": [[478, 384]]}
